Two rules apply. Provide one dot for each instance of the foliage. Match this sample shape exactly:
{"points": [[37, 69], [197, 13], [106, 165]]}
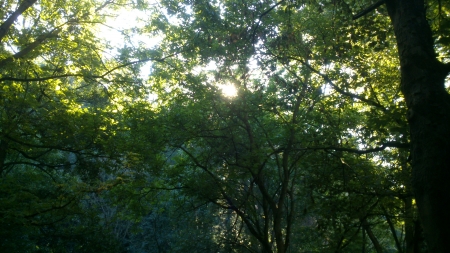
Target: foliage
{"points": [[309, 156]]}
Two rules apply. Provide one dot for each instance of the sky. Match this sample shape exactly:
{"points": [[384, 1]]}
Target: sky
{"points": [[127, 19]]}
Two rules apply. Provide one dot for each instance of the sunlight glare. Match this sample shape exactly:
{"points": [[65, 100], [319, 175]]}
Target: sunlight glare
{"points": [[228, 90]]}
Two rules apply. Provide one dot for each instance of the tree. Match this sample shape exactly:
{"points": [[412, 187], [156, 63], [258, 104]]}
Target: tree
{"points": [[355, 66], [422, 84], [310, 155], [236, 33], [59, 131], [266, 153]]}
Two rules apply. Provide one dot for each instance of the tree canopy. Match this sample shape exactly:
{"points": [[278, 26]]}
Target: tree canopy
{"points": [[224, 126]]}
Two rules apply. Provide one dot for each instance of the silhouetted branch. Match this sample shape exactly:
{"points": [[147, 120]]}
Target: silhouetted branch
{"points": [[9, 78], [261, 16], [382, 147], [369, 9], [336, 88], [4, 28]]}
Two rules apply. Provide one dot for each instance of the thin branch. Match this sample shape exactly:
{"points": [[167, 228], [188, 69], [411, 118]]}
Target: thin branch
{"points": [[261, 16], [365, 151], [382, 147], [41, 146], [80, 151], [336, 88], [9, 78], [40, 166], [40, 212], [165, 188]]}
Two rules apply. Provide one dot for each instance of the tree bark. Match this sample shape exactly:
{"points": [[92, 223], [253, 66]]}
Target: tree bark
{"points": [[422, 84]]}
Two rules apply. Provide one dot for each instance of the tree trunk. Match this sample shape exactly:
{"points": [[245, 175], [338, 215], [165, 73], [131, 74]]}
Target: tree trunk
{"points": [[409, 226], [373, 239], [3, 154], [422, 84], [393, 231], [363, 240]]}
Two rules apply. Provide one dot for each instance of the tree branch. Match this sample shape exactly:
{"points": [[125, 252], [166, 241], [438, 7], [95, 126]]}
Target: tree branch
{"points": [[370, 150], [53, 208], [391, 226], [368, 9], [4, 28], [261, 16], [371, 235], [336, 88], [355, 151], [10, 78], [39, 40]]}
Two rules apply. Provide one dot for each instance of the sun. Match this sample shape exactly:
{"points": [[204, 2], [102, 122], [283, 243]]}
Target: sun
{"points": [[228, 90]]}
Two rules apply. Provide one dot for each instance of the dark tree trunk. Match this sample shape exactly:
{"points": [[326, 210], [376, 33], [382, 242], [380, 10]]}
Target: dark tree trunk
{"points": [[3, 154], [422, 84], [375, 242], [409, 226]]}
